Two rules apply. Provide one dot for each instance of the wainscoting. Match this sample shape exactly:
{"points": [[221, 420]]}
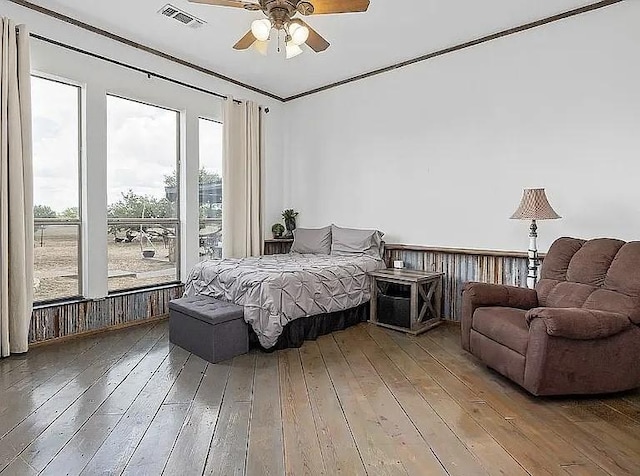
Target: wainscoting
{"points": [[121, 310], [460, 266]]}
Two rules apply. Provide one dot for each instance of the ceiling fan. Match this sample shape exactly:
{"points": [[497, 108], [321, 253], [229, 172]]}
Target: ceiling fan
{"points": [[280, 16]]}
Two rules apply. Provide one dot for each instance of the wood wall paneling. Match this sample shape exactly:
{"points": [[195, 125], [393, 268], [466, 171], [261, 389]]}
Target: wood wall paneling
{"points": [[75, 318], [71, 319], [459, 267]]}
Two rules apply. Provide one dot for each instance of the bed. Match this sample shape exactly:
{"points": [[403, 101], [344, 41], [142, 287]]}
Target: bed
{"points": [[301, 293]]}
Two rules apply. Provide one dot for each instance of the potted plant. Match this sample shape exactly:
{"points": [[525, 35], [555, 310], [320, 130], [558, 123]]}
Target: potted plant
{"points": [[277, 229], [289, 216]]}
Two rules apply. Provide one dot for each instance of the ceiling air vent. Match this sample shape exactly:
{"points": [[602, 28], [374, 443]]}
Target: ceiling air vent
{"points": [[183, 17]]}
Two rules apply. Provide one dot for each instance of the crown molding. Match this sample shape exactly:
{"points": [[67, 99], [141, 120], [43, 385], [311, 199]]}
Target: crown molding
{"points": [[459, 47], [141, 47], [387, 69]]}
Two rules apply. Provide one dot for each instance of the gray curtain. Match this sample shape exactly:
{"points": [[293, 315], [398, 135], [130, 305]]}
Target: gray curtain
{"points": [[16, 190], [242, 180]]}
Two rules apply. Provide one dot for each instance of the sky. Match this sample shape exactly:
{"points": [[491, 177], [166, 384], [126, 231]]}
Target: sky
{"points": [[55, 144], [211, 145], [141, 146]]}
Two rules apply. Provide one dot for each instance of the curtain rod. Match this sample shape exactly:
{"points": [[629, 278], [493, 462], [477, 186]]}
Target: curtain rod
{"points": [[149, 74]]}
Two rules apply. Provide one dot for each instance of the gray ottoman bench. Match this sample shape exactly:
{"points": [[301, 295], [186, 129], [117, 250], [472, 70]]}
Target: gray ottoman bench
{"points": [[213, 330]]}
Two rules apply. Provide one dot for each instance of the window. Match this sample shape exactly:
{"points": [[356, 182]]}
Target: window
{"points": [[210, 187], [56, 189], [143, 194]]}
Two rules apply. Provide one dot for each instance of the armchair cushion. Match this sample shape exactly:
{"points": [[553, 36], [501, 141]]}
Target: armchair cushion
{"points": [[580, 324], [505, 325], [476, 295]]}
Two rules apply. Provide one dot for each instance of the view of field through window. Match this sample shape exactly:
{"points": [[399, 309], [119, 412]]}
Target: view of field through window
{"points": [[142, 194], [143, 242], [56, 189], [210, 188]]}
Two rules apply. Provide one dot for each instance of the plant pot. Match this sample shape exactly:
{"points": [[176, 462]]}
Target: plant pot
{"points": [[290, 224], [148, 253]]}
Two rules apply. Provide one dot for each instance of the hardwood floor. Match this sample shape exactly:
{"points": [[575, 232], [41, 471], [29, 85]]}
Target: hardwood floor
{"points": [[361, 401]]}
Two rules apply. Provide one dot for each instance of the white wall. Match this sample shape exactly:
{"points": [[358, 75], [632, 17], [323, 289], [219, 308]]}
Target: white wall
{"points": [[99, 78], [438, 153]]}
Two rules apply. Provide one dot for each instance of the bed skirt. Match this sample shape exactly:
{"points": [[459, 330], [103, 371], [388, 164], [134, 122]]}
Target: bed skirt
{"points": [[310, 328]]}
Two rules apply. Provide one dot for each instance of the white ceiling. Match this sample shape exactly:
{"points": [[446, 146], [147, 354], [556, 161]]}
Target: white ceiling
{"points": [[360, 42]]}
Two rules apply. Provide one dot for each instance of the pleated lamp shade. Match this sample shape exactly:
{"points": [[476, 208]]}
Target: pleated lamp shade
{"points": [[535, 206]]}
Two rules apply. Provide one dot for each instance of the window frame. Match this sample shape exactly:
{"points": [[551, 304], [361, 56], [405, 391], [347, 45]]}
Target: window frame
{"points": [[78, 222], [174, 222]]}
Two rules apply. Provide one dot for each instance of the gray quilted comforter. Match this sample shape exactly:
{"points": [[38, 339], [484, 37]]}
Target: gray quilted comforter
{"points": [[275, 290]]}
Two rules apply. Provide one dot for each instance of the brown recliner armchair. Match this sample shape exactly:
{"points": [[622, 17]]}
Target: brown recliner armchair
{"points": [[578, 332]]}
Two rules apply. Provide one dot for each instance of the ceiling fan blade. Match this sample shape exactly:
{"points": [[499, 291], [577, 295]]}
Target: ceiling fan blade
{"points": [[230, 3], [316, 42], [327, 7], [245, 42]]}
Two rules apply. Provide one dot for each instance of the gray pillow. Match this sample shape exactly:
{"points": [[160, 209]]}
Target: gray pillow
{"points": [[312, 241], [350, 241]]}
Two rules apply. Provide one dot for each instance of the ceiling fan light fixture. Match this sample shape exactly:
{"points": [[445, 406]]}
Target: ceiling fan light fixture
{"points": [[299, 33], [261, 29], [305, 8], [262, 47], [293, 50]]}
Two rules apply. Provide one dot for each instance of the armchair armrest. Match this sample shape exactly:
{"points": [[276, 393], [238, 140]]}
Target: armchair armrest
{"points": [[483, 295], [579, 324], [475, 295]]}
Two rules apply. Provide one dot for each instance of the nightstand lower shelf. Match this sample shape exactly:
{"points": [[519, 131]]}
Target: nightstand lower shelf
{"points": [[425, 327]]}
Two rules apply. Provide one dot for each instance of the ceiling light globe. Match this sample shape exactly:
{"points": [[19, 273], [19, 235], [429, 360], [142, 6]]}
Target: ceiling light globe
{"points": [[299, 33], [293, 50], [261, 29]]}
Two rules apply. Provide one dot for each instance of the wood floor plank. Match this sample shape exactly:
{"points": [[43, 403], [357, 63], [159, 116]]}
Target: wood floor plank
{"points": [[115, 452], [528, 412], [8, 364], [152, 453], [339, 450], [82, 446], [511, 438], [123, 358], [189, 454], [18, 403], [43, 365], [361, 401], [228, 452], [84, 387], [625, 407], [452, 453], [185, 387], [416, 456], [301, 445], [543, 437], [489, 451], [18, 468], [378, 455], [40, 366], [266, 447], [631, 398]]}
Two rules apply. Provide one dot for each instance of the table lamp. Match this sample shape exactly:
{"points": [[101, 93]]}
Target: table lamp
{"points": [[534, 206]]}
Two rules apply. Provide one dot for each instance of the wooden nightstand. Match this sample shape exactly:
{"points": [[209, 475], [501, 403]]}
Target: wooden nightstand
{"points": [[279, 246], [424, 302]]}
